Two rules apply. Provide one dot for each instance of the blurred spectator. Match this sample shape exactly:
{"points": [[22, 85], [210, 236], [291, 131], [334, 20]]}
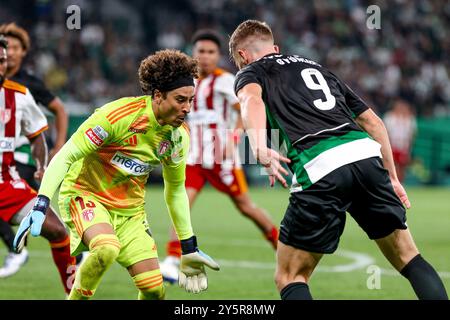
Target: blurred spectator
{"points": [[408, 57], [401, 125]]}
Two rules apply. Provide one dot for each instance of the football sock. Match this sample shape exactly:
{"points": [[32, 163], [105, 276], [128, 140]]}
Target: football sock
{"points": [[63, 260], [296, 291], [103, 251], [424, 279], [173, 248], [272, 237], [150, 285], [7, 235]]}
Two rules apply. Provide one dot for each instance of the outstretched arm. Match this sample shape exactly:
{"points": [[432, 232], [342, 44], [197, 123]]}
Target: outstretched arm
{"points": [[192, 266], [253, 115], [91, 135], [58, 168], [52, 178], [176, 199]]}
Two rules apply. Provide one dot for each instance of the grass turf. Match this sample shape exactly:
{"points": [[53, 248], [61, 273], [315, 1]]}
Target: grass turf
{"points": [[248, 260]]}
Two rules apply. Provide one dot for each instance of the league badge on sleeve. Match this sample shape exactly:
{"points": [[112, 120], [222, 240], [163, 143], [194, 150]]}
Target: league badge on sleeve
{"points": [[97, 135]]}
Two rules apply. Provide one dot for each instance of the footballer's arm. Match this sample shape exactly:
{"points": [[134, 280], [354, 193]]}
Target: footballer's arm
{"points": [[374, 126], [177, 200], [78, 146], [175, 195], [40, 154], [59, 166], [253, 115], [61, 124]]}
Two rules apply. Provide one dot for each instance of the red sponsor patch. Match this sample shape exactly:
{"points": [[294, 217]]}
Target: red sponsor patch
{"points": [[88, 215], [93, 137]]}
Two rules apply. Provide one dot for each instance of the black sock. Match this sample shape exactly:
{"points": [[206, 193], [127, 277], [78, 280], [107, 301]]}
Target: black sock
{"points": [[424, 279], [296, 291], [7, 234]]}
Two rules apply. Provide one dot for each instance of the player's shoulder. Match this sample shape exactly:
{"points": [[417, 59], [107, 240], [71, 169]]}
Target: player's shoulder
{"points": [[286, 60], [222, 73], [121, 108], [184, 128], [224, 79], [28, 78], [15, 86]]}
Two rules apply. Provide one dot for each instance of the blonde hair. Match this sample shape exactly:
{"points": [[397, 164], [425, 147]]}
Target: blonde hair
{"points": [[248, 30]]}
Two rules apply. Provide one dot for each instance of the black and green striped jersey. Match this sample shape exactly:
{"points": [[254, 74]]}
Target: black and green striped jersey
{"points": [[314, 112]]}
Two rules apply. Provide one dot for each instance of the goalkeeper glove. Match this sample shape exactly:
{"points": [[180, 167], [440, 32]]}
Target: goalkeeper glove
{"points": [[192, 276], [32, 222]]}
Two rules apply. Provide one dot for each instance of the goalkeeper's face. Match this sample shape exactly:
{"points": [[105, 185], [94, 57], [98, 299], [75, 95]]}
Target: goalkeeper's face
{"points": [[174, 106]]}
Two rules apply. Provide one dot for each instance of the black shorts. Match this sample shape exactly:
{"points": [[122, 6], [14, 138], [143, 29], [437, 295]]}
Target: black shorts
{"points": [[315, 217]]}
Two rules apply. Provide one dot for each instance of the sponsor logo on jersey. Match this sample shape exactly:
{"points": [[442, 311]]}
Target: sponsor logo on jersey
{"points": [[88, 215], [164, 146], [7, 144], [97, 135], [5, 116], [140, 125], [132, 140], [132, 166], [135, 130]]}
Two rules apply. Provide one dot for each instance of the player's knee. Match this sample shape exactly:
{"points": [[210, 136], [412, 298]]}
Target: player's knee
{"points": [[280, 280], [105, 248], [150, 285]]}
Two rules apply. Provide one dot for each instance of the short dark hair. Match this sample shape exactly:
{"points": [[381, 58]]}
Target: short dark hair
{"points": [[163, 67], [207, 34], [3, 42]]}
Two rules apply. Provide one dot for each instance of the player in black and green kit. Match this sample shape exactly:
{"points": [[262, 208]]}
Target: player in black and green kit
{"points": [[339, 153]]}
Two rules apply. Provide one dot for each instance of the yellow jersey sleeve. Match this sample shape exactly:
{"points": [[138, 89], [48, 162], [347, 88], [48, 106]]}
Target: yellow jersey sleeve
{"points": [[174, 174], [95, 132]]}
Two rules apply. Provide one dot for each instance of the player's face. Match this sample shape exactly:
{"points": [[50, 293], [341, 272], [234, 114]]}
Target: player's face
{"points": [[16, 53], [177, 104], [3, 65], [208, 55]]}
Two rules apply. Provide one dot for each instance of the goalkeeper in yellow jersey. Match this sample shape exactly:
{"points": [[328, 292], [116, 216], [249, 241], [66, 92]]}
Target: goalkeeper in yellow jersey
{"points": [[104, 168]]}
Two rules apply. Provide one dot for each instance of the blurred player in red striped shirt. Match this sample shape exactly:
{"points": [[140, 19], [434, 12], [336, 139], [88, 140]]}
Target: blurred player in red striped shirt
{"points": [[215, 124], [19, 114]]}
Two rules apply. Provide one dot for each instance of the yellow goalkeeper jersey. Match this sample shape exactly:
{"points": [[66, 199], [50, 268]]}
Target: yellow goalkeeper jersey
{"points": [[111, 155]]}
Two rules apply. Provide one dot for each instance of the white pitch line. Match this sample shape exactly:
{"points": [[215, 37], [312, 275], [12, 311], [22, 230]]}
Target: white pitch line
{"points": [[360, 260]]}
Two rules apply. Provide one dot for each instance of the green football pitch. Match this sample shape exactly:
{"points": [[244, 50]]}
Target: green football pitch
{"points": [[247, 261]]}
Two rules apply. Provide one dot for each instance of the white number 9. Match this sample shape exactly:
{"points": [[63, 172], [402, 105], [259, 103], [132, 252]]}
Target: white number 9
{"points": [[330, 101]]}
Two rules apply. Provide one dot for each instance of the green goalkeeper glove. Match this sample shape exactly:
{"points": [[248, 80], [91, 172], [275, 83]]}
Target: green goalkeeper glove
{"points": [[192, 276]]}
